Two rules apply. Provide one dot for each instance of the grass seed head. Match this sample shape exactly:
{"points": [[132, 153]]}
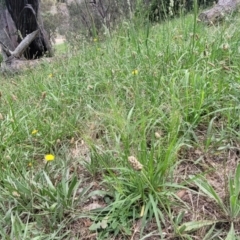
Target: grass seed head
{"points": [[14, 97], [44, 95], [136, 165], [15, 194], [158, 135]]}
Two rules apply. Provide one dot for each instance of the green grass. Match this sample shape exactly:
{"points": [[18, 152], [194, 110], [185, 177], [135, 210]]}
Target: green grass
{"points": [[184, 95], [60, 48]]}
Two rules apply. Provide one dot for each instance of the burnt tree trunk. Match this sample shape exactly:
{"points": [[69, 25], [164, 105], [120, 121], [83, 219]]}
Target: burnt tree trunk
{"points": [[21, 24], [219, 11]]}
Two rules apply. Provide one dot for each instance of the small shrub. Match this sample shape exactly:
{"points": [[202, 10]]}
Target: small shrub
{"points": [[51, 19], [95, 17], [158, 10], [91, 18]]}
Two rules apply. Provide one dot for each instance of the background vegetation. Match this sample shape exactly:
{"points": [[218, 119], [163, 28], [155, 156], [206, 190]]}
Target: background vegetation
{"points": [[132, 134]]}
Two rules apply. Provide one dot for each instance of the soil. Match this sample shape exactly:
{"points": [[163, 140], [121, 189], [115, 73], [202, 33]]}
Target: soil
{"points": [[215, 164], [59, 40]]}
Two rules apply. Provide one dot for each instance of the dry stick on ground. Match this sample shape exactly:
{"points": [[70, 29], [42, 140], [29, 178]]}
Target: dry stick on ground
{"points": [[219, 10], [24, 44], [12, 61]]}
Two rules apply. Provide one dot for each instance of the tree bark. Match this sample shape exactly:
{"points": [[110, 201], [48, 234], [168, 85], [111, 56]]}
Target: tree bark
{"points": [[219, 11], [8, 31], [22, 35]]}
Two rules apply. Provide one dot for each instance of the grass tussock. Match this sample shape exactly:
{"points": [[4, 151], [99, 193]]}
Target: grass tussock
{"points": [[125, 137]]}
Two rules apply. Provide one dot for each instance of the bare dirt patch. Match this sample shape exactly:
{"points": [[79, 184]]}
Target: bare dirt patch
{"points": [[217, 166], [59, 40]]}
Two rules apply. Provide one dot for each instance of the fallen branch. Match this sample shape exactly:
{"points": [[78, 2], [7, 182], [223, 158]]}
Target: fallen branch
{"points": [[219, 11], [12, 59], [23, 45]]}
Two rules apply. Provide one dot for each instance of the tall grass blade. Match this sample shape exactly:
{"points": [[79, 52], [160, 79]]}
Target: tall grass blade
{"points": [[205, 187], [156, 213]]}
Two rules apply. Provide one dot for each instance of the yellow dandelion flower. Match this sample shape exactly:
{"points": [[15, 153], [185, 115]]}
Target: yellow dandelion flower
{"points": [[135, 72], [34, 132], [49, 157]]}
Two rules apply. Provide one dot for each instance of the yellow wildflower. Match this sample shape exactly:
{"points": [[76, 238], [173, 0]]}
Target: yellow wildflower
{"points": [[49, 157], [34, 132], [50, 75], [135, 72], [30, 164], [95, 39]]}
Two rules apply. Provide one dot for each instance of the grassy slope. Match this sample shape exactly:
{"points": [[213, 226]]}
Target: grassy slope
{"points": [[187, 80]]}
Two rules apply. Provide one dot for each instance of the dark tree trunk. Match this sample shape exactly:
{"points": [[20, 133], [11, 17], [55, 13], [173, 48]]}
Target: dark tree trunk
{"points": [[8, 31], [18, 19]]}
